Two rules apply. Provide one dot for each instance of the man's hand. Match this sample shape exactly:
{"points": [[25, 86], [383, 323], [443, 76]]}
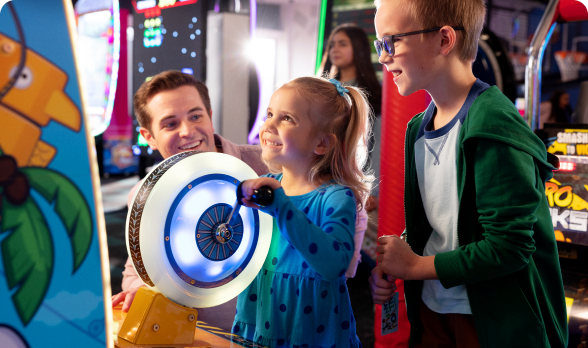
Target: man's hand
{"points": [[382, 289], [251, 185], [126, 297], [397, 259]]}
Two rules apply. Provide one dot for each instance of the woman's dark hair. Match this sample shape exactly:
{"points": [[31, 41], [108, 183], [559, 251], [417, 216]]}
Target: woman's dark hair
{"points": [[366, 76], [559, 114]]}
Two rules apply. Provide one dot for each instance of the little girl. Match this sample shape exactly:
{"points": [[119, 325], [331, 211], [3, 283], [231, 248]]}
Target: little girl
{"points": [[314, 136]]}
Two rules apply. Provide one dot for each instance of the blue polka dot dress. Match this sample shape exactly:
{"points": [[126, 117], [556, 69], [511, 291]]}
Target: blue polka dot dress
{"points": [[300, 298]]}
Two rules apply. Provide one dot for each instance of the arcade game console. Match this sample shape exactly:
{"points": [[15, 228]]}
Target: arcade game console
{"points": [[192, 245]]}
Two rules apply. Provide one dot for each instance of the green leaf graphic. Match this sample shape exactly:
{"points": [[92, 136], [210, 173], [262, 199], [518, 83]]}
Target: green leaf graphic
{"points": [[28, 255], [70, 205]]}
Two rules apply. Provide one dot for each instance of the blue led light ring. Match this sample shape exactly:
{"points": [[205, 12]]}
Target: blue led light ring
{"points": [[169, 253]]}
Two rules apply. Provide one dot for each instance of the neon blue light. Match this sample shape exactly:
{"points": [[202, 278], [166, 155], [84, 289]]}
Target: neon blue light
{"points": [[188, 71]]}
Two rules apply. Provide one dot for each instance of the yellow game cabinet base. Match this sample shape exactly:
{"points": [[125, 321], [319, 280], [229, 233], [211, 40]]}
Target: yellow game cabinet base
{"points": [[155, 321]]}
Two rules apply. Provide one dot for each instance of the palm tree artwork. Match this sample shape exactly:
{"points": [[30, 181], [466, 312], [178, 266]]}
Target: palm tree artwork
{"points": [[27, 250]]}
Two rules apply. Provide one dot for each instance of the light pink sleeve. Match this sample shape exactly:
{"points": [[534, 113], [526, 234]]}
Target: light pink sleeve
{"points": [[131, 279], [361, 223]]}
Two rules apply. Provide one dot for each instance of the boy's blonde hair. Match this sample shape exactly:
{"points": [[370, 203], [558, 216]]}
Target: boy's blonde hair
{"points": [[348, 118], [469, 14]]}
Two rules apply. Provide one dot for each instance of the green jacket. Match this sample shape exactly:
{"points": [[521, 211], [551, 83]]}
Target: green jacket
{"points": [[507, 255]]}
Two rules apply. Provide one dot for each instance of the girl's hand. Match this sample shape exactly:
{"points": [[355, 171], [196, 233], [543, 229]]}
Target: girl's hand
{"points": [[249, 186], [382, 286]]}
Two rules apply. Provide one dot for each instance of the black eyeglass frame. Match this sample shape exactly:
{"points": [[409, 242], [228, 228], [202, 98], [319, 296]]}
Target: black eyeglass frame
{"points": [[387, 43]]}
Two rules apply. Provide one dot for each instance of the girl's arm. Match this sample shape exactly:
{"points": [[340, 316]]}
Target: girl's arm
{"points": [[328, 248]]}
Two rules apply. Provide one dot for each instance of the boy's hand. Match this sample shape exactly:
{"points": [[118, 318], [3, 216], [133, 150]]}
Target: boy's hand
{"points": [[397, 259], [382, 289], [249, 186], [126, 297]]}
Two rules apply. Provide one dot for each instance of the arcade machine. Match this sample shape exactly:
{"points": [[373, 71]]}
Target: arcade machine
{"points": [[103, 68], [99, 36], [167, 35], [567, 192], [194, 246], [54, 274]]}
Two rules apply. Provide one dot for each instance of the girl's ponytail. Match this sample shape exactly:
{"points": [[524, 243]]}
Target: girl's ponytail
{"points": [[357, 135]]}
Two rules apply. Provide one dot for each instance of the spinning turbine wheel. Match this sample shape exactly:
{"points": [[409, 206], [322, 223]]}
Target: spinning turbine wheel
{"points": [[207, 239], [174, 233]]}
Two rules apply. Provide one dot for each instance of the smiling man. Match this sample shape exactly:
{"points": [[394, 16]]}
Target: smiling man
{"points": [[173, 110]]}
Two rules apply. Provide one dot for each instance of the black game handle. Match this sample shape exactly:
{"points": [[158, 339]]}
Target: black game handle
{"points": [[262, 196]]}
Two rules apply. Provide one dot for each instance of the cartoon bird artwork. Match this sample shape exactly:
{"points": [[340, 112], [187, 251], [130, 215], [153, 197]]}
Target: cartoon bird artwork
{"points": [[26, 106]]}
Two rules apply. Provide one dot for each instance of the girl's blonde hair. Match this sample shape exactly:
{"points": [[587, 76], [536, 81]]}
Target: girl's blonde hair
{"points": [[348, 117]]}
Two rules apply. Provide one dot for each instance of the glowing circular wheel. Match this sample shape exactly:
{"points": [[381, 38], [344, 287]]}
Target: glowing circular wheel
{"points": [[172, 230]]}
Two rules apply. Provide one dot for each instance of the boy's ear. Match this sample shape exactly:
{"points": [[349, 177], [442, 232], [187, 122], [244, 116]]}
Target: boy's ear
{"points": [[448, 39], [327, 143], [149, 137]]}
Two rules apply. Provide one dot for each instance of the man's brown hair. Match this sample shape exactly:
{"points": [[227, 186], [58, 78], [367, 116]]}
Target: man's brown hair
{"points": [[165, 81], [469, 14]]}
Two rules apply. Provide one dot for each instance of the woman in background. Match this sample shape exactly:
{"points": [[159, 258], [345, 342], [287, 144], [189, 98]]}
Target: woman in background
{"points": [[557, 109], [348, 60]]}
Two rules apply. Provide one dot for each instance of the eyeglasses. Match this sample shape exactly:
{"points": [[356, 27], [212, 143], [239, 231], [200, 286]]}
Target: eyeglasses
{"points": [[387, 42]]}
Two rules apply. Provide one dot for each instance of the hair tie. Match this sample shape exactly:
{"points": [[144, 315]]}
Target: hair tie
{"points": [[342, 90]]}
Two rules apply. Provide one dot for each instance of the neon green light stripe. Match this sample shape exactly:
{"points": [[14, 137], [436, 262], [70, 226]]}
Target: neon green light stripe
{"points": [[321, 35]]}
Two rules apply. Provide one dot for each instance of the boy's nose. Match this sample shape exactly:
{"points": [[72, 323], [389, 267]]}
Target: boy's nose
{"points": [[384, 58]]}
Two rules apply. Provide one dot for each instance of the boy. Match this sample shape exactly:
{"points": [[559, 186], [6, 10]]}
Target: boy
{"points": [[480, 259]]}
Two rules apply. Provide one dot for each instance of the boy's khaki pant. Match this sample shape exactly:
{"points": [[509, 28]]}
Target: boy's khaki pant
{"points": [[447, 330]]}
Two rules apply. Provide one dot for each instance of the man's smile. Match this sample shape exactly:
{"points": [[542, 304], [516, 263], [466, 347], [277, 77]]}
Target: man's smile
{"points": [[190, 145]]}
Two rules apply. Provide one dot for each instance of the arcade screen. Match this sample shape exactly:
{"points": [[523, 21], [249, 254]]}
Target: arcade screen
{"points": [[567, 192], [168, 35]]}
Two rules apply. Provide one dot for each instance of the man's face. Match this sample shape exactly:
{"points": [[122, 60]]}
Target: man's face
{"points": [[179, 122], [413, 61]]}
